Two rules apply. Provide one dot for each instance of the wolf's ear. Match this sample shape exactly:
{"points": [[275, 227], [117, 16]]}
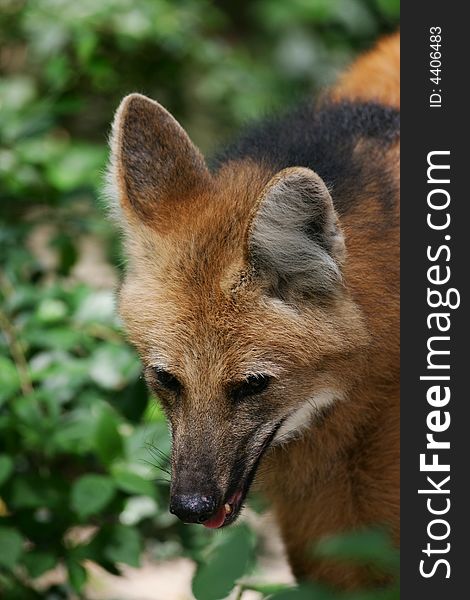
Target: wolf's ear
{"points": [[152, 159], [295, 242]]}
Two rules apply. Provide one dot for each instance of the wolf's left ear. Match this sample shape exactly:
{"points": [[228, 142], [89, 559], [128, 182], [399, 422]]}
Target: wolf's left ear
{"points": [[153, 161], [295, 242]]}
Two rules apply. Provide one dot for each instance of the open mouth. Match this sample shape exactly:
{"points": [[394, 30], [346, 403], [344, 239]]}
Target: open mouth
{"points": [[230, 508], [226, 513]]}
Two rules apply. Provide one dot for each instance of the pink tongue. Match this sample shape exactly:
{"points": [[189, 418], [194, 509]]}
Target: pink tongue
{"points": [[217, 520]]}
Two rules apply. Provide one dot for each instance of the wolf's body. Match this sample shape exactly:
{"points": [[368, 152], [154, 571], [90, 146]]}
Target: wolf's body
{"points": [[263, 297]]}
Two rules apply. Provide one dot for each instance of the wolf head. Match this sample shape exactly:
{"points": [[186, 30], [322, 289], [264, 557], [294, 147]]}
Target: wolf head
{"points": [[234, 296]]}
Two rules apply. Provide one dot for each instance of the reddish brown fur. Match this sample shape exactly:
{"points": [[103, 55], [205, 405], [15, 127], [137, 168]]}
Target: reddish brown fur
{"points": [[189, 297], [375, 75]]}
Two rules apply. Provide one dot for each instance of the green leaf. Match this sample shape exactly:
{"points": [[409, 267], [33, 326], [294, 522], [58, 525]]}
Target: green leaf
{"points": [[230, 560], [86, 44], [28, 410], [57, 338], [124, 546], [267, 589], [31, 490], [51, 310], [77, 574], [38, 563], [91, 493], [79, 165], [11, 547], [24, 494], [138, 508], [107, 439], [6, 467], [75, 434], [96, 307], [9, 378], [113, 366], [129, 481]]}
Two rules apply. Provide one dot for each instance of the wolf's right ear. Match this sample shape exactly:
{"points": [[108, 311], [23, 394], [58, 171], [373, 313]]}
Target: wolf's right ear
{"points": [[153, 162]]}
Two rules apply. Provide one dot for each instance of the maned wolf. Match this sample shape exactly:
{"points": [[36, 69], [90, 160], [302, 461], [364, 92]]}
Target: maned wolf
{"points": [[263, 297]]}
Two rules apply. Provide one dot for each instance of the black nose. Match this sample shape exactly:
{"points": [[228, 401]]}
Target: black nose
{"points": [[193, 508]]}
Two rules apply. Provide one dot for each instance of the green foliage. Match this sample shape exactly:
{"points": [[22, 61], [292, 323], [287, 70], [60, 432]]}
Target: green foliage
{"points": [[11, 545], [70, 452], [81, 443], [90, 494], [228, 560]]}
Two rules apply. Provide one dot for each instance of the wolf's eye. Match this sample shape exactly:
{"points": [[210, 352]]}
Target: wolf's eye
{"points": [[253, 384], [167, 381]]}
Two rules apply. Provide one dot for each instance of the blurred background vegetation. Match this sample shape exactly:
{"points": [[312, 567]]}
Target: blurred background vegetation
{"points": [[83, 450]]}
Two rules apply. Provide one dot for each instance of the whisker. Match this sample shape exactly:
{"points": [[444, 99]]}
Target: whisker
{"points": [[158, 460], [163, 463], [161, 480], [155, 449], [159, 468]]}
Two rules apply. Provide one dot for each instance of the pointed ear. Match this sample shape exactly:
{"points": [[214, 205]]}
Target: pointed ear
{"points": [[295, 242], [153, 161]]}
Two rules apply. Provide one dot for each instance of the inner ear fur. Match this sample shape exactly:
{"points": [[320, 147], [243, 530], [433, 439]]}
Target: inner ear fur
{"points": [[153, 161], [295, 242]]}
